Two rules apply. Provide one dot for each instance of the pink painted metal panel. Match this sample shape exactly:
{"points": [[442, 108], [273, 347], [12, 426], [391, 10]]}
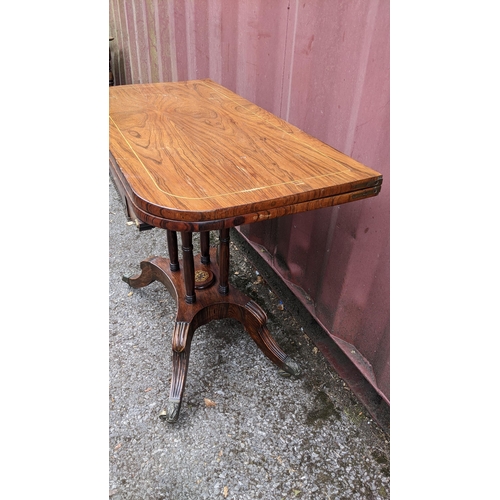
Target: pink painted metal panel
{"points": [[336, 260], [150, 30], [229, 43], [200, 23], [323, 66], [167, 60], [268, 34], [141, 41], [130, 26], [215, 40], [181, 45]]}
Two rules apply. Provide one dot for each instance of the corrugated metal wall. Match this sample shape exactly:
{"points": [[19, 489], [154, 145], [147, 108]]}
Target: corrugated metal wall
{"points": [[324, 67]]}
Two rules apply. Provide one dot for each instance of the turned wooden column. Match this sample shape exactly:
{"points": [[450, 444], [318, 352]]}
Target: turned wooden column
{"points": [[205, 247], [224, 261], [173, 251], [188, 266]]}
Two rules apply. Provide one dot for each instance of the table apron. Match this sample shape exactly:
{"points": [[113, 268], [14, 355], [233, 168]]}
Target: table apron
{"points": [[213, 225]]}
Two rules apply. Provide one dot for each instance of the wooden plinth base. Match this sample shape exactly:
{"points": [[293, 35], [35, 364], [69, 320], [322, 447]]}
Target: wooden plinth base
{"points": [[210, 305]]}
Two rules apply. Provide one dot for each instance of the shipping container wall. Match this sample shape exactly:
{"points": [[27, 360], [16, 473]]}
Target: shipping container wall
{"points": [[322, 65]]}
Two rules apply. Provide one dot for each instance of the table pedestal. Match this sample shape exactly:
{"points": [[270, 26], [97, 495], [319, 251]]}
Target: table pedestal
{"points": [[200, 286]]}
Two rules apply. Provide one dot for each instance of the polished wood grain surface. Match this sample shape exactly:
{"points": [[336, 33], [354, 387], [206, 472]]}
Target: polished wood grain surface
{"points": [[194, 152]]}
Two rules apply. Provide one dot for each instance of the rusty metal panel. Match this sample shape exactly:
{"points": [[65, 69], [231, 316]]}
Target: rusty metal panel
{"points": [[324, 67]]}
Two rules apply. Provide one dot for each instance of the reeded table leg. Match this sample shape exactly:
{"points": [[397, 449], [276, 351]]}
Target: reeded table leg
{"points": [[181, 346], [210, 303]]}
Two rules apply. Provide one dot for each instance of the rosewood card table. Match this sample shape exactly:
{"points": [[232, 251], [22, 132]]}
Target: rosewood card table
{"points": [[195, 157]]}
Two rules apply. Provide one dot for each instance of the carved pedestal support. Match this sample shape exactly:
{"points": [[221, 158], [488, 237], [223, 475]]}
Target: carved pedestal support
{"points": [[210, 304]]}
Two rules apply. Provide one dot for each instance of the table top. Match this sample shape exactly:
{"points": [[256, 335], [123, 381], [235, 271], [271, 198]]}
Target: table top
{"points": [[194, 155]]}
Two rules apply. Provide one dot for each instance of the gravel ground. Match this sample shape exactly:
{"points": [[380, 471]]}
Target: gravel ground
{"points": [[262, 436]]}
